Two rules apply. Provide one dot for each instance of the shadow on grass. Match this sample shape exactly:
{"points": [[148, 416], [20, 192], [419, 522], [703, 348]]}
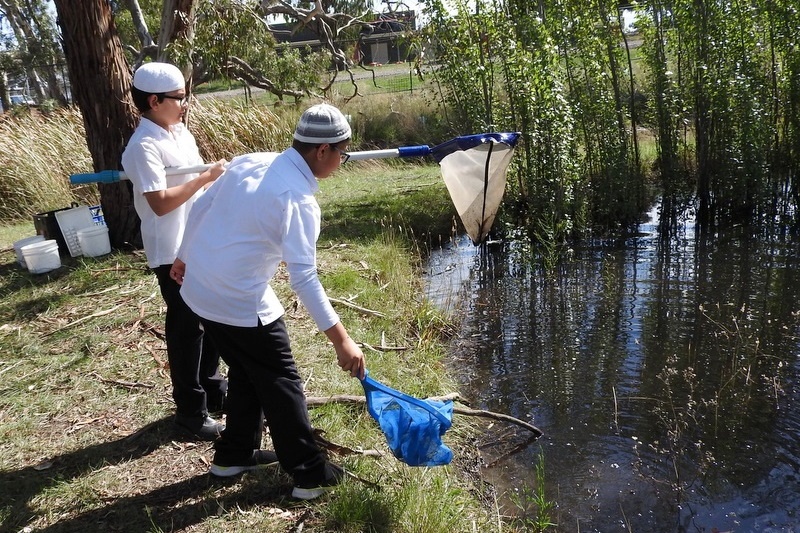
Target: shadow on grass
{"points": [[167, 507], [139, 512]]}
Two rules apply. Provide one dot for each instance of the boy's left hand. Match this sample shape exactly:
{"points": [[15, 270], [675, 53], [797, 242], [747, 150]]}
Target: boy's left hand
{"points": [[177, 271]]}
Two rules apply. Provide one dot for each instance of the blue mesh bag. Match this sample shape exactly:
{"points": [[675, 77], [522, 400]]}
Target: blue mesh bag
{"points": [[413, 427]]}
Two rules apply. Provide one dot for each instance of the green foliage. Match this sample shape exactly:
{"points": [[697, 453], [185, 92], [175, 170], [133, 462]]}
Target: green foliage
{"points": [[229, 28], [534, 506], [500, 72], [717, 87]]}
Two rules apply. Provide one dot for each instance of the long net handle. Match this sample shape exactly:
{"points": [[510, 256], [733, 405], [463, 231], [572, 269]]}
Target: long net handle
{"points": [[111, 176]]}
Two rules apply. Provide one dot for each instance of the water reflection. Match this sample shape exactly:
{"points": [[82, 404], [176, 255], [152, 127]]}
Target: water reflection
{"points": [[663, 369]]}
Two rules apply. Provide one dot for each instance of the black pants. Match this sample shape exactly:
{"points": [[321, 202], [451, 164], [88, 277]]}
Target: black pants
{"points": [[263, 384], [197, 386]]}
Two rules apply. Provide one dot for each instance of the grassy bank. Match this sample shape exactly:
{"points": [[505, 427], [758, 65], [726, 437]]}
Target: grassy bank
{"points": [[87, 441]]}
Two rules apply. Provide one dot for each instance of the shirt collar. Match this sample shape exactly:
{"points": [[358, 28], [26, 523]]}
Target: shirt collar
{"points": [[156, 130], [297, 160]]}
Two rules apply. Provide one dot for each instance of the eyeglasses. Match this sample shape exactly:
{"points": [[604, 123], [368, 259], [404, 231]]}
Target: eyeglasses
{"points": [[344, 156], [182, 100]]}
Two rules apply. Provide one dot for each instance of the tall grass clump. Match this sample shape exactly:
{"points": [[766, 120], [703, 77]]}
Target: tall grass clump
{"points": [[225, 128], [38, 152], [397, 119]]}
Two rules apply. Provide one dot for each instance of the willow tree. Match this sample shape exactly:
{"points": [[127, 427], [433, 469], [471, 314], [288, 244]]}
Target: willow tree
{"points": [[499, 70]]}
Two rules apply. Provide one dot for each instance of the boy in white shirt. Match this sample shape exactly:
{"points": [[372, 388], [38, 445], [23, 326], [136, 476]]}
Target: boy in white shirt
{"points": [[260, 213], [163, 203]]}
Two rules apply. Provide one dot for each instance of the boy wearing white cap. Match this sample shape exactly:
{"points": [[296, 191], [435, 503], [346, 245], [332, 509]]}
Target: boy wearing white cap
{"points": [[163, 203], [264, 213]]}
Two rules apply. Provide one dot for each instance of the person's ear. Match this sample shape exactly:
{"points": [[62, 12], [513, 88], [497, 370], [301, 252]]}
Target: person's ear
{"points": [[152, 100]]}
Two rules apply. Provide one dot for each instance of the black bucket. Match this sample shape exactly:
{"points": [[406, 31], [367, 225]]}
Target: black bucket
{"points": [[46, 224]]}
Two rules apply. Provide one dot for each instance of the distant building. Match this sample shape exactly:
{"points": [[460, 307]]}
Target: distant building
{"points": [[380, 41]]}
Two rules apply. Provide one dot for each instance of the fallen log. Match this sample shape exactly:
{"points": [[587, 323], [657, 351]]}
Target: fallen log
{"points": [[346, 398]]}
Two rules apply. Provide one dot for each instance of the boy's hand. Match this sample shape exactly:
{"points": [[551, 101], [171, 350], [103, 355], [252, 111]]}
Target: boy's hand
{"points": [[177, 271], [350, 358], [217, 169]]}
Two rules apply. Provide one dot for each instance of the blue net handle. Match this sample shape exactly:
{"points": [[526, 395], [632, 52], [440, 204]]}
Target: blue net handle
{"points": [[370, 384], [465, 142]]}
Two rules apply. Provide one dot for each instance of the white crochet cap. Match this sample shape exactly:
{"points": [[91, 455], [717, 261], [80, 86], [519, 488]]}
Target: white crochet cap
{"points": [[321, 124], [158, 78]]}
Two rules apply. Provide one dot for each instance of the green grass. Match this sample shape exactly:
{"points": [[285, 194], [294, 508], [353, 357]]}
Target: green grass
{"points": [[85, 403]]}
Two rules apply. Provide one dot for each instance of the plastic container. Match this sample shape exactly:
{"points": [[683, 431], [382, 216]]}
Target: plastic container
{"points": [[23, 242], [94, 241], [72, 220], [42, 256]]}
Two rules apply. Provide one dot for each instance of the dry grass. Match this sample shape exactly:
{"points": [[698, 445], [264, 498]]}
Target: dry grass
{"points": [[37, 154]]}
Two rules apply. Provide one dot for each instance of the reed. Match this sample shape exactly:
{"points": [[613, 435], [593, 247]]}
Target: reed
{"points": [[38, 152]]}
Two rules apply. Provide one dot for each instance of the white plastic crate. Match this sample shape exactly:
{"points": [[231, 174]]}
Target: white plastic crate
{"points": [[70, 221]]}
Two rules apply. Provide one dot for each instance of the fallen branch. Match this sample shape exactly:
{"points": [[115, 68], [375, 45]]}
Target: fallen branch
{"points": [[516, 449], [126, 384], [346, 398], [340, 449], [85, 318], [499, 416], [351, 305]]}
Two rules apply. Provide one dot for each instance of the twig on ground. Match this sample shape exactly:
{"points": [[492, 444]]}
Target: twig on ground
{"points": [[126, 384], [6, 369], [382, 348]]}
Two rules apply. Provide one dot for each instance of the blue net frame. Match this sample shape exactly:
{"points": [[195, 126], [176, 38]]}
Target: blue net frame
{"points": [[413, 428]]}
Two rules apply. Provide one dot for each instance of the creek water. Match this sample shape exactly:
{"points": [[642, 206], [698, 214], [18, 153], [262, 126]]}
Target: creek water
{"points": [[663, 368]]}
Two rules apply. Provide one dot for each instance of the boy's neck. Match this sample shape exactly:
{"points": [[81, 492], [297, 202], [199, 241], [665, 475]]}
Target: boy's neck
{"points": [[153, 117]]}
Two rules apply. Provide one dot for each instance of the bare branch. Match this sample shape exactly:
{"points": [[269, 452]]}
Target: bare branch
{"points": [[139, 23], [242, 70]]}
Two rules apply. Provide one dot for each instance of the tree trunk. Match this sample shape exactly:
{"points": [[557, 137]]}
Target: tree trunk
{"points": [[101, 82]]}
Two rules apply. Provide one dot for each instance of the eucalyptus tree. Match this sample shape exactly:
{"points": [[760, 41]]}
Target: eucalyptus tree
{"points": [[101, 81], [34, 50], [100, 71]]}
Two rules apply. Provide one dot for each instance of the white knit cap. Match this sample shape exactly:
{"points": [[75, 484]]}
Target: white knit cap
{"points": [[158, 78], [321, 124]]}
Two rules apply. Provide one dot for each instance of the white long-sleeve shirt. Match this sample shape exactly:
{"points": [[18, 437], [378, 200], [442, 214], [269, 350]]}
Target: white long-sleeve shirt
{"points": [[260, 212], [151, 149]]}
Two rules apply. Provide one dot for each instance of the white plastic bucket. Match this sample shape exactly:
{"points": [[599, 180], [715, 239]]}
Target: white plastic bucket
{"points": [[94, 240], [23, 242], [42, 256]]}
